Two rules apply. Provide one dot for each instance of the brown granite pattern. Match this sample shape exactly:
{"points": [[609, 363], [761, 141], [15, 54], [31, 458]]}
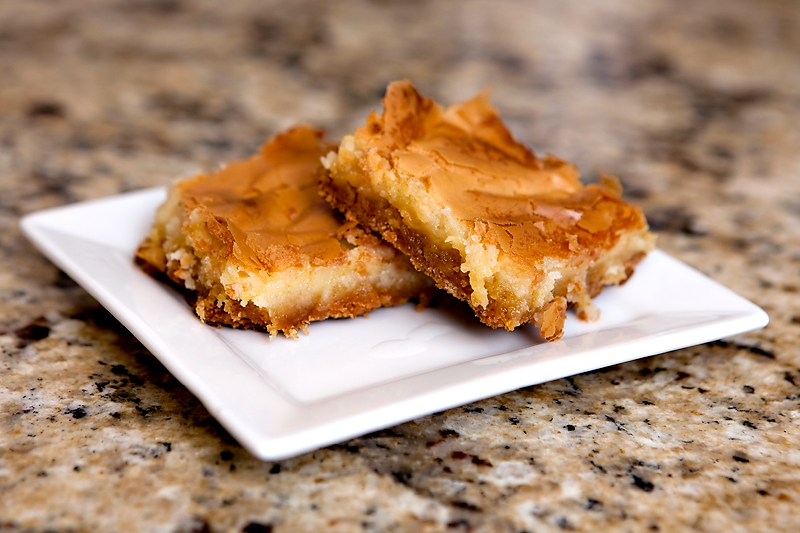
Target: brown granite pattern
{"points": [[695, 105]]}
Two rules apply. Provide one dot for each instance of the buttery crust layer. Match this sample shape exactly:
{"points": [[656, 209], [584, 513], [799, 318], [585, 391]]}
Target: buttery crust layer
{"points": [[517, 237]]}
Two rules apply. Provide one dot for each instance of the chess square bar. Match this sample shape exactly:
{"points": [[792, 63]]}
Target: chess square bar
{"points": [[517, 236], [256, 247]]}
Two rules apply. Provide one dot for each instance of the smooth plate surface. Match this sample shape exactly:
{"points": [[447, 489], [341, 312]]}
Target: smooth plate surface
{"points": [[281, 397]]}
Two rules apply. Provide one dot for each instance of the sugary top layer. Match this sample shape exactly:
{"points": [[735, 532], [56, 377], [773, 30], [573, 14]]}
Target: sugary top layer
{"points": [[468, 161], [266, 209]]}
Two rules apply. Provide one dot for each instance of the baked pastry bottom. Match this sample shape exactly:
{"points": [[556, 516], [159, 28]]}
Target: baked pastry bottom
{"points": [[255, 246], [517, 237]]}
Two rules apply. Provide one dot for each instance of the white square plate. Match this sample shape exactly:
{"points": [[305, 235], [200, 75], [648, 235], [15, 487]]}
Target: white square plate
{"points": [[283, 397]]}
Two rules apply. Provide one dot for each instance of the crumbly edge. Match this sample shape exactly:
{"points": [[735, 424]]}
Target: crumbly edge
{"points": [[366, 189], [380, 277]]}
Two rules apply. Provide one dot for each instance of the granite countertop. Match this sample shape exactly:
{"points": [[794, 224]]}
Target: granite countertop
{"points": [[695, 105]]}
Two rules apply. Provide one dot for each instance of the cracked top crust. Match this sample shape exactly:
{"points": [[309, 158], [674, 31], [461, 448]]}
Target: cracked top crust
{"points": [[266, 209], [530, 207]]}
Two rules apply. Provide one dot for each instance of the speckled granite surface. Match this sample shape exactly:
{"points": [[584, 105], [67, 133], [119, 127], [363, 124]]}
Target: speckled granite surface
{"points": [[695, 105]]}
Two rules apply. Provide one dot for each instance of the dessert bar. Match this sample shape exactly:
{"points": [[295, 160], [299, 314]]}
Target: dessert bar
{"points": [[256, 247], [517, 236]]}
